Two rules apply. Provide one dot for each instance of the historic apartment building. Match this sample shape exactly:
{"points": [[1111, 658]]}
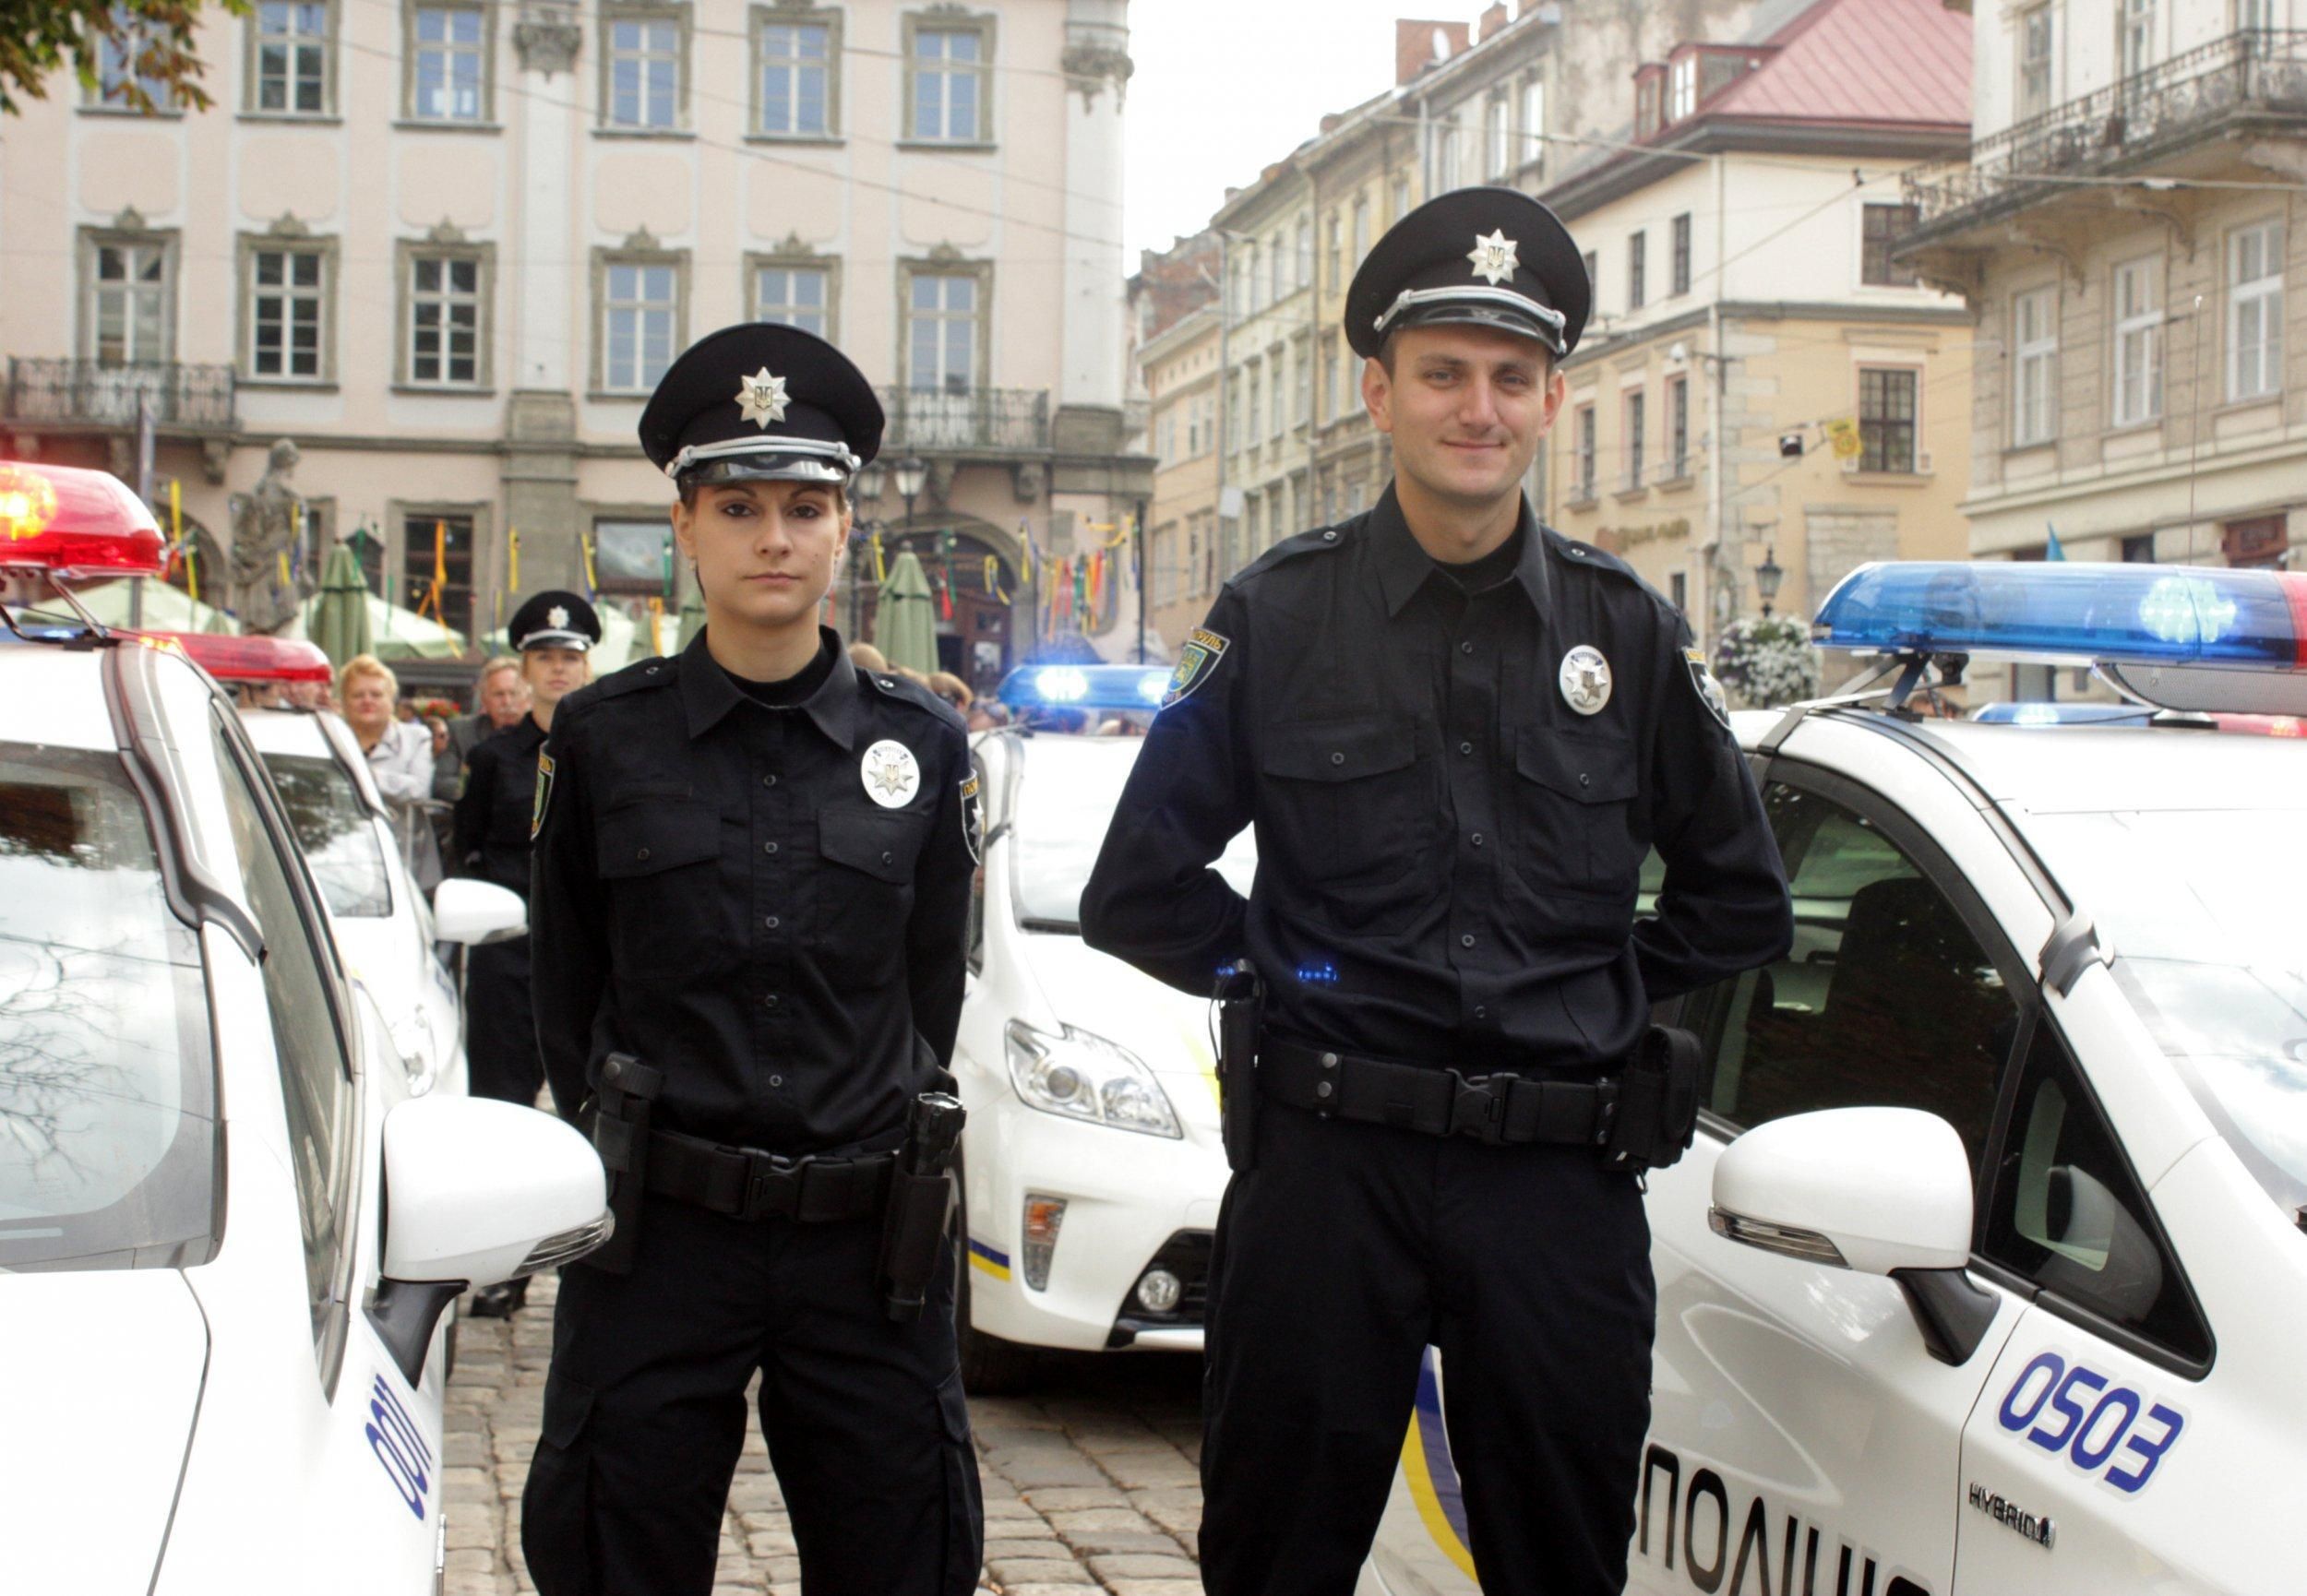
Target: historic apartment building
{"points": [[1763, 379], [2126, 228], [448, 246]]}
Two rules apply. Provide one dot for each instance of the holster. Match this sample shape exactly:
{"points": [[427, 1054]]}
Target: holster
{"points": [[1657, 1103], [920, 1200], [1240, 1006], [620, 1135]]}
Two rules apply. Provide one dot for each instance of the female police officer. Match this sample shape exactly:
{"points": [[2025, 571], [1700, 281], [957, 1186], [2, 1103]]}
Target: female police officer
{"points": [[751, 872]]}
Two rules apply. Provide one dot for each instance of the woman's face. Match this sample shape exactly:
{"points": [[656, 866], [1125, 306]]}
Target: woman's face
{"points": [[554, 673], [368, 703]]}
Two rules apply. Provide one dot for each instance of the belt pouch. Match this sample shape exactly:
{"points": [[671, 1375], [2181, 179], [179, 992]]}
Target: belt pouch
{"points": [[1658, 1101], [1239, 1013], [620, 1135]]}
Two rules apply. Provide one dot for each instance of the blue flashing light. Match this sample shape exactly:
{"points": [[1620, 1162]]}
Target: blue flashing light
{"points": [[2072, 614], [2046, 714], [1137, 687]]}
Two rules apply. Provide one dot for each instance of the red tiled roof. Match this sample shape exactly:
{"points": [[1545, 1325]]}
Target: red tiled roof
{"points": [[1905, 61]]}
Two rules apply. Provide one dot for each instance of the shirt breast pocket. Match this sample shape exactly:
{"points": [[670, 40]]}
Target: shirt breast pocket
{"points": [[864, 894], [1572, 806], [1354, 804], [657, 855]]}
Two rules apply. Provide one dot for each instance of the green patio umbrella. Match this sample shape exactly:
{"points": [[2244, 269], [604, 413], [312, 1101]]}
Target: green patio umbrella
{"points": [[339, 618], [394, 633], [905, 629], [166, 608], [692, 619]]}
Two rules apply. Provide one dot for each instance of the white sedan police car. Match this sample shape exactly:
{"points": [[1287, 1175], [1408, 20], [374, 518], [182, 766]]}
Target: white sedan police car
{"points": [[1987, 1272], [1091, 1164], [226, 1231]]}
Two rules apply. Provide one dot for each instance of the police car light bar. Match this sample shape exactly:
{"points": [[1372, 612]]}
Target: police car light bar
{"points": [[1139, 687], [70, 521], [2177, 636], [251, 659]]}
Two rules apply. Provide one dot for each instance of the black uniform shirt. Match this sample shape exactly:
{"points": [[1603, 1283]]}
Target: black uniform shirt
{"points": [[1448, 850], [497, 807], [767, 904]]}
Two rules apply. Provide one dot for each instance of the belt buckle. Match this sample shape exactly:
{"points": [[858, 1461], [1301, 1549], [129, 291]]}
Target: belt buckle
{"points": [[1477, 1108], [766, 1174]]}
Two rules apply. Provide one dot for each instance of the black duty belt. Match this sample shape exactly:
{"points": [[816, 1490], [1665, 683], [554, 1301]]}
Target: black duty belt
{"points": [[751, 1184], [1491, 1108]]}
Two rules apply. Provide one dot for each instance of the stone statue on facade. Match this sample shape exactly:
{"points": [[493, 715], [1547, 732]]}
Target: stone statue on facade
{"points": [[272, 570]]}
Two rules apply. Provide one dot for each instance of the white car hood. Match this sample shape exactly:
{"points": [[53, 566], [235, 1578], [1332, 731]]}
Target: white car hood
{"points": [[99, 1382], [1168, 1028]]}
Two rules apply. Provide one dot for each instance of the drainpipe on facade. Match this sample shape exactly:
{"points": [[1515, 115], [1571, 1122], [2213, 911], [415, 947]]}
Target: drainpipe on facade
{"points": [[1716, 559], [1225, 397]]}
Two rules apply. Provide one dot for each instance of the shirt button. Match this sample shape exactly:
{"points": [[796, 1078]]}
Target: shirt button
{"points": [[1582, 778], [888, 858], [769, 780], [1465, 648], [770, 1001], [768, 848], [776, 1080], [1480, 1012], [771, 922], [1337, 759], [1467, 940], [1477, 840], [1466, 748], [642, 854]]}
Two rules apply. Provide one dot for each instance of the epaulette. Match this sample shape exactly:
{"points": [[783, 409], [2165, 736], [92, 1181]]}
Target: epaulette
{"points": [[892, 685], [1320, 541], [638, 676], [1588, 555]]}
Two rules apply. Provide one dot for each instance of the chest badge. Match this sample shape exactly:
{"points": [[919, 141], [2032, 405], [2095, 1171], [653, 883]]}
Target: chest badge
{"points": [[1585, 678], [892, 774]]}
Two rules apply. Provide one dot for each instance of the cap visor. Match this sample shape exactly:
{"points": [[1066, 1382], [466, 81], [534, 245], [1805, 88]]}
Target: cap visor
{"points": [[766, 469], [1494, 316]]}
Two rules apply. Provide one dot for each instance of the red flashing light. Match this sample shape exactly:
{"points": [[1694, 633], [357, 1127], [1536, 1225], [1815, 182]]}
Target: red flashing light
{"points": [[251, 659], [73, 522]]}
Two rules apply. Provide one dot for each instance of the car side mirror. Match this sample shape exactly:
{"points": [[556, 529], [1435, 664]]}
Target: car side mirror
{"points": [[477, 912], [476, 1192], [1884, 1191]]}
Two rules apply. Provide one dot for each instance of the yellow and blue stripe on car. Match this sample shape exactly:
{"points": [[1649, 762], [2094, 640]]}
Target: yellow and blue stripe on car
{"points": [[993, 1261], [1430, 1474]]}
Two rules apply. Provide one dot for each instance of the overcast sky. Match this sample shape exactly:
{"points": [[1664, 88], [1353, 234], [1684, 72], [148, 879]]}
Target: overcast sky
{"points": [[1223, 88]]}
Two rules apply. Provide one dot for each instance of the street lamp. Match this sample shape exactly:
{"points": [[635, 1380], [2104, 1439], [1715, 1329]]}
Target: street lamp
{"points": [[1767, 576], [867, 487], [912, 473]]}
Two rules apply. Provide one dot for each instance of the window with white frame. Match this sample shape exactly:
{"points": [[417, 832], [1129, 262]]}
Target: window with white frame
{"points": [[1681, 266], [1447, 134], [1302, 259], [448, 69], [1677, 426], [2254, 15], [1301, 383], [1533, 121], [1887, 398], [1333, 377], [293, 43], [2138, 35], [640, 313], [794, 85], [1277, 270], [949, 67], [942, 315], [2034, 62], [1636, 436], [1247, 301], [1361, 230], [1278, 384], [643, 65], [1253, 412], [1497, 136], [446, 314], [1585, 440], [1234, 411], [121, 80], [796, 295], [1682, 94], [1338, 249], [2138, 307], [1881, 229], [127, 302], [1401, 199], [2034, 366], [2254, 310], [288, 313], [1637, 269]]}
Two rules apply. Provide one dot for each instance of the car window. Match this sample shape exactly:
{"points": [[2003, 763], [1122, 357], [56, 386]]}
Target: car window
{"points": [[2067, 1213], [108, 1135], [315, 1074], [1885, 999], [337, 833]]}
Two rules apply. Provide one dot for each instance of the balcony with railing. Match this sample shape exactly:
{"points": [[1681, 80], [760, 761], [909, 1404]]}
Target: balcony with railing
{"points": [[966, 420], [81, 394], [2249, 81]]}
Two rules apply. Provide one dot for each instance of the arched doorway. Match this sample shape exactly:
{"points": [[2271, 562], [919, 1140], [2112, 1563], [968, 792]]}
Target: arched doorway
{"points": [[973, 571]]}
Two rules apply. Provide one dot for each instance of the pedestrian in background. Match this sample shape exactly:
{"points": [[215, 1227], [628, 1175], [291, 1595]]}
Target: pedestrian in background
{"points": [[503, 699], [866, 657], [953, 690], [399, 755], [1458, 734]]}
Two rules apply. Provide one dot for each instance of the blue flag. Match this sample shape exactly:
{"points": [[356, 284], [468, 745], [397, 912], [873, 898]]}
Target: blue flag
{"points": [[2051, 550]]}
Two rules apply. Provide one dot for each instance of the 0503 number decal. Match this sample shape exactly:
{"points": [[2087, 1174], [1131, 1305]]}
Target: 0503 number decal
{"points": [[2107, 1430]]}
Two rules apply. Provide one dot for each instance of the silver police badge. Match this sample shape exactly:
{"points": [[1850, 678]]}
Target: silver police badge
{"points": [[892, 774], [761, 399], [1585, 678], [1496, 257], [557, 617]]}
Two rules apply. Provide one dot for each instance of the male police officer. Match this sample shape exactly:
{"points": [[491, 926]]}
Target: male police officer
{"points": [[751, 874], [1457, 734]]}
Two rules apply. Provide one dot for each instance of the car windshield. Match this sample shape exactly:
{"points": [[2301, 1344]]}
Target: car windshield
{"points": [[337, 833], [107, 1094], [2202, 910], [1063, 807]]}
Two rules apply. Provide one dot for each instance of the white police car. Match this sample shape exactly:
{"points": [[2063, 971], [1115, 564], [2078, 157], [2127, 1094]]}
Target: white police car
{"points": [[2024, 1160], [1091, 1164], [226, 1236]]}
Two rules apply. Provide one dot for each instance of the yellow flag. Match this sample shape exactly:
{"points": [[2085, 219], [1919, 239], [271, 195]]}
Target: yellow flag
{"points": [[512, 566]]}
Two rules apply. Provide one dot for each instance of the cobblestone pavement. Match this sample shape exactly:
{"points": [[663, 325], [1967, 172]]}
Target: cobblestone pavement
{"points": [[1091, 1481]]}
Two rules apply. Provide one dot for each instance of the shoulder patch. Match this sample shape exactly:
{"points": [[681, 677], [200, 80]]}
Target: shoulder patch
{"points": [[1196, 663], [545, 794], [974, 818], [1709, 690]]}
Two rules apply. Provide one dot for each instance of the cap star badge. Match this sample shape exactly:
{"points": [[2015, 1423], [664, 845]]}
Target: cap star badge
{"points": [[557, 617], [761, 398], [1496, 257]]}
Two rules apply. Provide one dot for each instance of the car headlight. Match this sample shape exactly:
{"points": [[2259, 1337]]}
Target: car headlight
{"points": [[1085, 1077]]}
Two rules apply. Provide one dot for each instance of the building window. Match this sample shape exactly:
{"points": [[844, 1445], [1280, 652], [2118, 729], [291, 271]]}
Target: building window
{"points": [[640, 318], [796, 78], [1497, 135], [292, 50], [1882, 227], [1333, 372], [1886, 418], [1246, 301], [1401, 199], [1683, 253], [126, 321], [1679, 591], [2033, 357], [2254, 310], [642, 69], [1594, 275], [121, 81], [1278, 376], [2033, 63], [1585, 438], [1677, 428], [2139, 549], [2254, 15], [1234, 411], [288, 313], [1636, 437], [448, 64], [2260, 542], [1338, 249], [948, 70], [437, 567], [1649, 103], [2138, 388], [1361, 230], [1277, 271], [448, 319], [1637, 269], [1301, 383], [942, 315], [798, 295], [1533, 121], [2138, 36], [1684, 97]]}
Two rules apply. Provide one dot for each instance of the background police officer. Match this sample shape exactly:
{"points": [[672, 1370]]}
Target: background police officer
{"points": [[752, 874], [1457, 734]]}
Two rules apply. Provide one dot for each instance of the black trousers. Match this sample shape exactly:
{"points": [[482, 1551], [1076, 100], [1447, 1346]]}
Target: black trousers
{"points": [[644, 1416], [1346, 1252], [500, 1032]]}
